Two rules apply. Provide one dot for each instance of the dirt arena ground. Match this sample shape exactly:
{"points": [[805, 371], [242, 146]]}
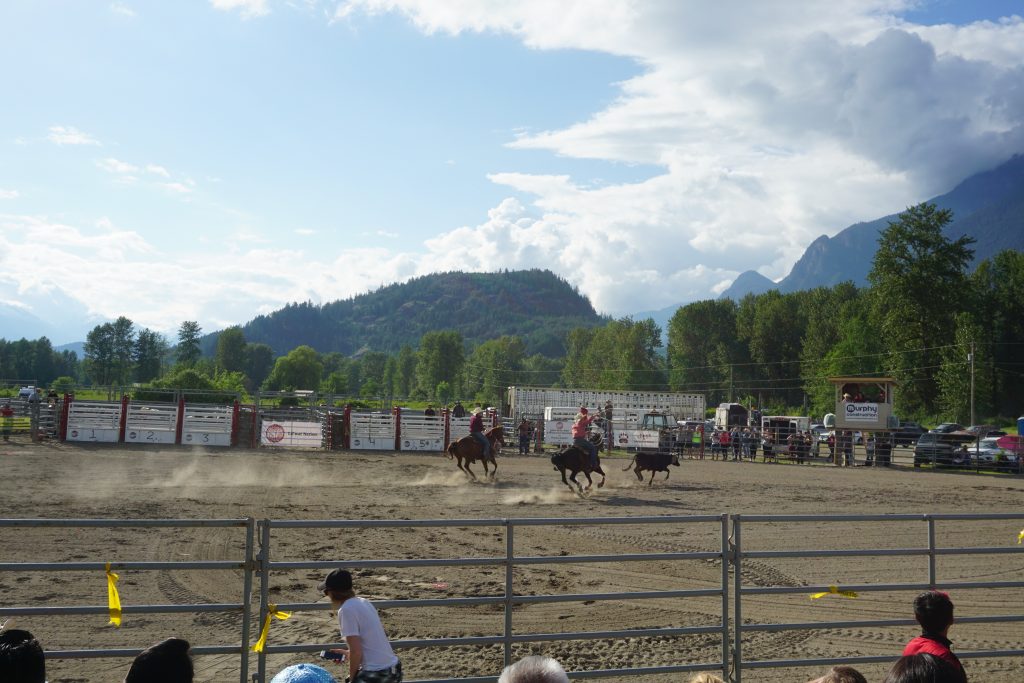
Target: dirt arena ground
{"points": [[68, 481]]}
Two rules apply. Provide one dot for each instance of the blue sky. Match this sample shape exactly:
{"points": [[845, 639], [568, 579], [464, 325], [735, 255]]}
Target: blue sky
{"points": [[214, 160]]}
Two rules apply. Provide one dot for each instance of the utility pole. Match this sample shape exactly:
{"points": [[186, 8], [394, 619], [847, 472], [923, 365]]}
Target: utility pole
{"points": [[970, 357], [730, 384]]}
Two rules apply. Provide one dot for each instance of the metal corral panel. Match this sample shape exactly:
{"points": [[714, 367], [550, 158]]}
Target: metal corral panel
{"points": [[206, 426], [533, 400], [422, 433], [94, 421], [458, 427], [151, 423], [372, 431], [286, 434]]}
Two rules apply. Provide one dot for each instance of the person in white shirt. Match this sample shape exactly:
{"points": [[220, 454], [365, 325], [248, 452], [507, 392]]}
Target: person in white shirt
{"points": [[370, 657]]}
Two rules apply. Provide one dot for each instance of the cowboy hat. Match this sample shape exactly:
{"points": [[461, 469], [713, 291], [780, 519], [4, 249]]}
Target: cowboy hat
{"points": [[477, 410]]}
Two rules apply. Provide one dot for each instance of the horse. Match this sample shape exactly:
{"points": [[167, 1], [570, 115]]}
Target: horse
{"points": [[576, 460], [468, 448]]}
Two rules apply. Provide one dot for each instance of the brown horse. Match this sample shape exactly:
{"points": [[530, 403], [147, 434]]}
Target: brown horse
{"points": [[468, 448]]}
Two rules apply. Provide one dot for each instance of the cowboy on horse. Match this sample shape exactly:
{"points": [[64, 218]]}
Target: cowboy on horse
{"points": [[476, 430], [579, 435]]}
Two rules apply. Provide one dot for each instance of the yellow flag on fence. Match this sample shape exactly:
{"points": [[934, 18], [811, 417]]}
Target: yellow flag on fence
{"points": [[271, 612], [1020, 537], [834, 590], [113, 599]]}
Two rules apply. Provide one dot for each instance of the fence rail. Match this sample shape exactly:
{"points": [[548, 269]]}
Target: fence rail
{"points": [[257, 564]]}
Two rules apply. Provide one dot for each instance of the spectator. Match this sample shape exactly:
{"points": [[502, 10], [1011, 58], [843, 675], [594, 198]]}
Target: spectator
{"points": [[842, 674], [430, 412], [6, 419], [303, 673], [166, 662], [534, 669], [923, 668], [21, 658], [525, 431], [370, 657], [459, 410], [934, 612]]}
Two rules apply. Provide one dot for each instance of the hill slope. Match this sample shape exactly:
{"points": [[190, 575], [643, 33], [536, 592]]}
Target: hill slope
{"points": [[988, 206], [536, 305]]}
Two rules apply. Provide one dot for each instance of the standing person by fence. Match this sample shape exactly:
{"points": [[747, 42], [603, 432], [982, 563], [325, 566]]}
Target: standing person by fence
{"points": [[370, 657], [6, 419]]}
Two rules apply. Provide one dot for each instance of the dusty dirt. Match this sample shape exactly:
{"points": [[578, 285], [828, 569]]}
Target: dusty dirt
{"points": [[65, 481]]}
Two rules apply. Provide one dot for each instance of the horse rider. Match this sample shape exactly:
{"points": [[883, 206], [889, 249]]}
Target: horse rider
{"points": [[476, 430], [579, 435]]}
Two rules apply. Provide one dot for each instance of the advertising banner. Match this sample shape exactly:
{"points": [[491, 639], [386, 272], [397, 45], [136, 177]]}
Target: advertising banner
{"points": [[860, 412], [291, 435], [637, 438]]}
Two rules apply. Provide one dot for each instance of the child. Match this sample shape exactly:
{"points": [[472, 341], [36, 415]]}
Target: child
{"points": [[934, 611]]}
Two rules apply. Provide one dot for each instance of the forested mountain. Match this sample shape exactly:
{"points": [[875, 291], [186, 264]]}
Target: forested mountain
{"points": [[535, 305], [988, 206]]}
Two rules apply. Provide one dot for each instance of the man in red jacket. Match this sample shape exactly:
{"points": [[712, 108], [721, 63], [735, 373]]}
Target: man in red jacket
{"points": [[934, 611]]}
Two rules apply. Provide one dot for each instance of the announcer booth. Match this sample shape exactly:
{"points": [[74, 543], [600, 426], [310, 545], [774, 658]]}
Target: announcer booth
{"points": [[864, 403]]}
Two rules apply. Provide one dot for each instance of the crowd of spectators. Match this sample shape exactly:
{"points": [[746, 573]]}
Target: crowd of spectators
{"points": [[927, 658]]}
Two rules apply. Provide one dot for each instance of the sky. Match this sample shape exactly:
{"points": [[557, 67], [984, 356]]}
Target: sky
{"points": [[214, 160]]}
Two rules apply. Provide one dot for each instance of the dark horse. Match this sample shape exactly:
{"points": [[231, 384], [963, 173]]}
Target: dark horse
{"points": [[576, 460], [468, 448]]}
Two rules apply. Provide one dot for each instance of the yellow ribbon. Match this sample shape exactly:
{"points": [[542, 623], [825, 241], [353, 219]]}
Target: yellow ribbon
{"points": [[113, 599], [271, 612], [1020, 537], [834, 590]]}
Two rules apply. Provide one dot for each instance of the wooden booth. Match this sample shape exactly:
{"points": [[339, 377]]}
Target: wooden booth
{"points": [[864, 403]]}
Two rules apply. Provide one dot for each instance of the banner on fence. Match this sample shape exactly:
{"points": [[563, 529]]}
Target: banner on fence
{"points": [[291, 434]]}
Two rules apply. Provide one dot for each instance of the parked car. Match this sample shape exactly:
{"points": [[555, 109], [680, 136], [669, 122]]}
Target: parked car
{"points": [[940, 449], [989, 454], [982, 431], [907, 434], [946, 428]]}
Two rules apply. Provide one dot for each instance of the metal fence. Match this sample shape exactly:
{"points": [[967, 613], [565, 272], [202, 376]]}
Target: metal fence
{"points": [[258, 562], [930, 549]]}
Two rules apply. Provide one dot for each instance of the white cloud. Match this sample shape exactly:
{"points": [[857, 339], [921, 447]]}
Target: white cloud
{"points": [[9, 194], [122, 9], [247, 8], [177, 188], [772, 123], [304, 232], [69, 135], [158, 170], [112, 165]]}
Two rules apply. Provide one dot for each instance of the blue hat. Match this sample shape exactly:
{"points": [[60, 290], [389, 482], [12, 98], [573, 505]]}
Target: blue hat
{"points": [[303, 673]]}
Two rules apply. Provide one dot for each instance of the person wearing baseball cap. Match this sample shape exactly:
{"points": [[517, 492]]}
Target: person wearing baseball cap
{"points": [[370, 657]]}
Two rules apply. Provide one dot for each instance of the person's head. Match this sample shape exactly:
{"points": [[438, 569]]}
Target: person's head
{"points": [[534, 669], [922, 668], [842, 674], [166, 662], [303, 673], [21, 657], [934, 611], [705, 677], [583, 410], [337, 585]]}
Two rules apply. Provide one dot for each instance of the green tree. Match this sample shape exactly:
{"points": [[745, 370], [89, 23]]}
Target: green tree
{"points": [[443, 392], [259, 361], [541, 371], [701, 347], [492, 368], [620, 355], [299, 369], [953, 376], [188, 351], [231, 350], [99, 353], [918, 278], [997, 288], [335, 383], [123, 342], [149, 352], [440, 359], [405, 374]]}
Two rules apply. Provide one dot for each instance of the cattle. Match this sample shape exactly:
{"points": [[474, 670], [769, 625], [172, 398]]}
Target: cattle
{"points": [[652, 462]]}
